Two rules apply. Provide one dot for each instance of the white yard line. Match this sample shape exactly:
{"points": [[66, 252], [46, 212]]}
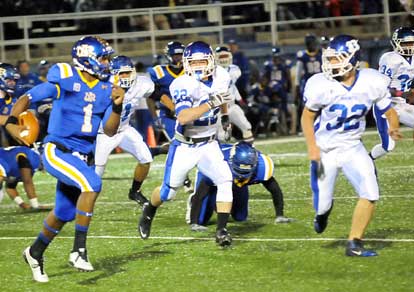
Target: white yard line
{"points": [[253, 239]]}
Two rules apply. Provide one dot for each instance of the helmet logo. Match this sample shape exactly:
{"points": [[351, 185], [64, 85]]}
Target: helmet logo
{"points": [[84, 50], [352, 46]]}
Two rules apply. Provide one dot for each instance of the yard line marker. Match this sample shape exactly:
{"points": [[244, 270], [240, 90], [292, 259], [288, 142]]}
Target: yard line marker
{"points": [[253, 239]]}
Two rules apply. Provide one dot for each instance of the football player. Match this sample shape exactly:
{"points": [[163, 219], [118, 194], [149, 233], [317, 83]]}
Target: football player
{"points": [[127, 137], [236, 116], [82, 98], [198, 96], [248, 167], [333, 121], [277, 72], [163, 76], [8, 81], [398, 65], [18, 164], [308, 63]]}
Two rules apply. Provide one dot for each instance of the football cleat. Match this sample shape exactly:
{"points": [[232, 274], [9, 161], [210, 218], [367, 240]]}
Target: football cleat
{"points": [[188, 188], [137, 197], [223, 238], [283, 219], [144, 225], [355, 248], [39, 274], [79, 260], [198, 228], [321, 221]]}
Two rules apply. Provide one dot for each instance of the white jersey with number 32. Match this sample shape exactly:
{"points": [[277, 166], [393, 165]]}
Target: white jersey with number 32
{"points": [[342, 109], [188, 92]]}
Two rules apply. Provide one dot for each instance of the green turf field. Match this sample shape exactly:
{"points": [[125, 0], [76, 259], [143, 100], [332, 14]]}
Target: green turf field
{"points": [[264, 257]]}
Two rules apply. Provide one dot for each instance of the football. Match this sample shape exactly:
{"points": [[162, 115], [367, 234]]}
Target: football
{"points": [[29, 120]]}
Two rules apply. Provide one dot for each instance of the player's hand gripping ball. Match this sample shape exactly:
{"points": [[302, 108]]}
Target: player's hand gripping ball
{"points": [[29, 120]]}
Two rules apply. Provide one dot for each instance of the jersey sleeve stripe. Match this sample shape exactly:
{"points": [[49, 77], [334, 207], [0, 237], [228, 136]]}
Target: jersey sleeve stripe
{"points": [[159, 72], [269, 167], [65, 70], [2, 171], [21, 154], [67, 169], [58, 90]]}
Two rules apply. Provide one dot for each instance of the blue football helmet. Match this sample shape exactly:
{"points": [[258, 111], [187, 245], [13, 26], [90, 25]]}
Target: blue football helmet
{"points": [[243, 160], [402, 41], [123, 64], [8, 77], [344, 50], [224, 57], [174, 52], [199, 51], [87, 54]]}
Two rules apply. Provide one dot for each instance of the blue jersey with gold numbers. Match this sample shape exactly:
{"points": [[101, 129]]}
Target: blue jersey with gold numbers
{"points": [[8, 161], [79, 107]]}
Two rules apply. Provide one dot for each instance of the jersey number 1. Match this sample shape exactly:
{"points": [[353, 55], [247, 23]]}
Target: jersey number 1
{"points": [[87, 119]]}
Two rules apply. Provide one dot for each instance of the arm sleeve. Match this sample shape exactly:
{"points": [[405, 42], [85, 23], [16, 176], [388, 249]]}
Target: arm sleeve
{"points": [[43, 91], [277, 195]]}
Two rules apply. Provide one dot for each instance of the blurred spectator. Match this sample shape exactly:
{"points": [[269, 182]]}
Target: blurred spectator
{"points": [[42, 69], [27, 79], [240, 60]]}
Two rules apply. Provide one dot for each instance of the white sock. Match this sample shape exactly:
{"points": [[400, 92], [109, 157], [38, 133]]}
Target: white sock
{"points": [[1, 195], [18, 200], [99, 170], [377, 151], [34, 203]]}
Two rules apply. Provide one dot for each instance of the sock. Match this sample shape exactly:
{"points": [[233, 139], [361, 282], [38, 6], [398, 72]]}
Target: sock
{"points": [[39, 246], [80, 237], [222, 219], [151, 210], [136, 185], [18, 200], [34, 203]]}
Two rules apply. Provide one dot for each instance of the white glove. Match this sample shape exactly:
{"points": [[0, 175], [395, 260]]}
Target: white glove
{"points": [[217, 99]]}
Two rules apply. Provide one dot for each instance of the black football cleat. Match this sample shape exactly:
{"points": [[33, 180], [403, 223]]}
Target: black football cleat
{"points": [[321, 221], [144, 225], [355, 248], [137, 197], [223, 238]]}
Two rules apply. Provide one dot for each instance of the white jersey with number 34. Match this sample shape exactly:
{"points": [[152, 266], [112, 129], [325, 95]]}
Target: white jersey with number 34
{"points": [[342, 109]]}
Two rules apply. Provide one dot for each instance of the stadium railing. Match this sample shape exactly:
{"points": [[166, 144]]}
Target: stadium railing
{"points": [[259, 22]]}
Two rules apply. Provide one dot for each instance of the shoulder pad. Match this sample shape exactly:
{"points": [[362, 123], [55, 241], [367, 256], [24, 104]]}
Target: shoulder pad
{"points": [[58, 72]]}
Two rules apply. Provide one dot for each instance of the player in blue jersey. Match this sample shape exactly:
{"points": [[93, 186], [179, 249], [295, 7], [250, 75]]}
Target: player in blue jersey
{"points": [[163, 76], [308, 63], [83, 98], [249, 167], [18, 164], [8, 81]]}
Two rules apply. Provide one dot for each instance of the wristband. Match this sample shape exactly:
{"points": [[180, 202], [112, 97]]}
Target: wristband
{"points": [[117, 108], [11, 120]]}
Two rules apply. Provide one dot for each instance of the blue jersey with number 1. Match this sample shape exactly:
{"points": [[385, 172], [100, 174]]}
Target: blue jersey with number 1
{"points": [[79, 106]]}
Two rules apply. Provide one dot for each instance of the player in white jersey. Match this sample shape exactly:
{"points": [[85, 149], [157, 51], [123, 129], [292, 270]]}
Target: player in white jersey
{"points": [[198, 96], [333, 121], [127, 138], [399, 66], [235, 115]]}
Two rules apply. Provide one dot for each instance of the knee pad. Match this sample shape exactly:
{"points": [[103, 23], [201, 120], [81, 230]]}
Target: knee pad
{"points": [[225, 192], [167, 193]]}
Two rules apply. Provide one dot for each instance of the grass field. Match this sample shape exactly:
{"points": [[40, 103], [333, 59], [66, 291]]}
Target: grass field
{"points": [[264, 257]]}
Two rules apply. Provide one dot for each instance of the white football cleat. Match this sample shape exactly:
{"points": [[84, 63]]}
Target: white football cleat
{"points": [[198, 228], [283, 219], [39, 275], [79, 259]]}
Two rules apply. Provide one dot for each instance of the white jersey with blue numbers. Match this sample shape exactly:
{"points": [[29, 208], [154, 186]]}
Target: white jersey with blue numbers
{"points": [[142, 88], [399, 69], [235, 73], [342, 109], [188, 92]]}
